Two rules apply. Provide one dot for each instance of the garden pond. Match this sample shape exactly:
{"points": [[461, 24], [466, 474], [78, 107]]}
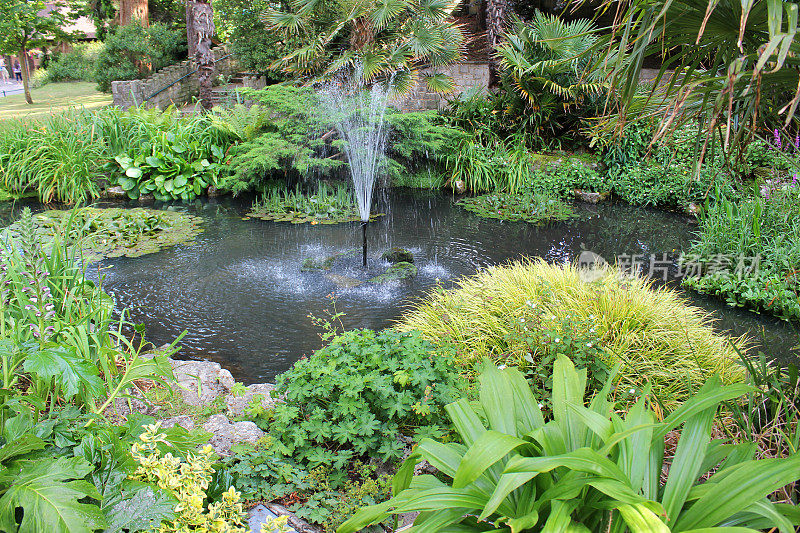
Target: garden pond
{"points": [[239, 292]]}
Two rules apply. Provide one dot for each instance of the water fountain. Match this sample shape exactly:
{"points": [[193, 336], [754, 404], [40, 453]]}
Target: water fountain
{"points": [[358, 114]]}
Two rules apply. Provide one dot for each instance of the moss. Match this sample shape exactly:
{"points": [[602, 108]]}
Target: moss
{"points": [[398, 271]]}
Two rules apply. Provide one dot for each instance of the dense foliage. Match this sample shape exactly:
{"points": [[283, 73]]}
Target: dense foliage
{"points": [[325, 206], [525, 206], [361, 396], [133, 51], [369, 40], [523, 313], [65, 365], [749, 252], [77, 64], [585, 467]]}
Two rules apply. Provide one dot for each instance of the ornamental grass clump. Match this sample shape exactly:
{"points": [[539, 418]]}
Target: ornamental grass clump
{"points": [[517, 313]]}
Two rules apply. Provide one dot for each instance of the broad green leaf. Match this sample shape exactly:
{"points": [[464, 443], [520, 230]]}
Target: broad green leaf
{"points": [[640, 518], [48, 491], [134, 172], [465, 421], [486, 451], [20, 446], [137, 507]]}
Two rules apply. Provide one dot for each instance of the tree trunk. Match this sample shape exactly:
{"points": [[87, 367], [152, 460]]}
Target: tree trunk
{"points": [[203, 22], [190, 31], [496, 14], [131, 11], [26, 76]]}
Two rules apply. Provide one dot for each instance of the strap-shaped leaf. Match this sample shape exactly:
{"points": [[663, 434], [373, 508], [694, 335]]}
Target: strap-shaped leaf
{"points": [[689, 457], [640, 518], [486, 451], [749, 483], [466, 422]]}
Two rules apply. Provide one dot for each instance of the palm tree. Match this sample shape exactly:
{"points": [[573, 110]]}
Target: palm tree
{"points": [[372, 38], [547, 67]]}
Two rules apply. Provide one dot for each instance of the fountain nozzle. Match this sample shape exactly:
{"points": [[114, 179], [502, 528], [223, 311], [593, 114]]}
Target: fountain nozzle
{"points": [[364, 234]]}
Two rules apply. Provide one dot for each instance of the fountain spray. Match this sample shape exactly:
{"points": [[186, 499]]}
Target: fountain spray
{"points": [[359, 117]]}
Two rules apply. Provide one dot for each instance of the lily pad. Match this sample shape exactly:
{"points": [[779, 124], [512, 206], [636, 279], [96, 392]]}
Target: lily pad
{"points": [[116, 232]]}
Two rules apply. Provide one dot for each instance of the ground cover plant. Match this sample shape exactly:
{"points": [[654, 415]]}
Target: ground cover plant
{"points": [[364, 395], [525, 313], [748, 252], [325, 206], [525, 206], [112, 232], [586, 468], [64, 365]]}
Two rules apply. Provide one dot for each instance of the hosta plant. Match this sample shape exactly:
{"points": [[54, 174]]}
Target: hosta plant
{"points": [[586, 468]]}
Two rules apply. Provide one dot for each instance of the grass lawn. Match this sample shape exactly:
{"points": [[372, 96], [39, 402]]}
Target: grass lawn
{"points": [[52, 98]]}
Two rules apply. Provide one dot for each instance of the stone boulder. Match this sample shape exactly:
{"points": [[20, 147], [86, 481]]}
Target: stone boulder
{"points": [[238, 404], [590, 197], [396, 272], [115, 193], [398, 255], [201, 382], [184, 421], [225, 433]]}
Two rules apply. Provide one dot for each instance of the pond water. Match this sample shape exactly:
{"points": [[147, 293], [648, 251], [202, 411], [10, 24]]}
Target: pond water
{"points": [[239, 293]]}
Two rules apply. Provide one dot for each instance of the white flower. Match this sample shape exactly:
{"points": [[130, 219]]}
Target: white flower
{"points": [[632, 391], [502, 367], [557, 339], [541, 405], [588, 344]]}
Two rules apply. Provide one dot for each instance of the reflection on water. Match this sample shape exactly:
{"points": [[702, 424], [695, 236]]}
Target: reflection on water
{"points": [[239, 292]]}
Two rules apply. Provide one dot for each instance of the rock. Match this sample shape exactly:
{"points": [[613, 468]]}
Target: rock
{"points": [[344, 282], [133, 402], [459, 187], [693, 209], [396, 272], [115, 193], [398, 255], [238, 404], [184, 421], [201, 382], [225, 434], [590, 197]]}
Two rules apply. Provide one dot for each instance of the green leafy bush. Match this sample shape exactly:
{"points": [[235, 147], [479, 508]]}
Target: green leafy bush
{"points": [[132, 52], [164, 154], [586, 468], [749, 252], [76, 65], [513, 312], [361, 396]]}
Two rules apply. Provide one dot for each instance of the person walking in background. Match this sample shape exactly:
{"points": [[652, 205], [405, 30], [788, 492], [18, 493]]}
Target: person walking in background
{"points": [[17, 71], [3, 72]]}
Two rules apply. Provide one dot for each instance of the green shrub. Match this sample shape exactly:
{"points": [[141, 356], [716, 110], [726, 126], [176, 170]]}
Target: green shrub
{"points": [[586, 468], [562, 180], [132, 52], [57, 159], [505, 312], [361, 396], [76, 65], [749, 252]]}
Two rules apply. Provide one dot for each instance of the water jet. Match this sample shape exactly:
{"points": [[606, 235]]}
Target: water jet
{"points": [[358, 114]]}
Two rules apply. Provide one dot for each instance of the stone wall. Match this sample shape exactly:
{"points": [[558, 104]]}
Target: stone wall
{"points": [[184, 89], [466, 75]]}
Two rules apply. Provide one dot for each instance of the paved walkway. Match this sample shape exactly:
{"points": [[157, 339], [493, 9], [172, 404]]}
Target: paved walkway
{"points": [[10, 87]]}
